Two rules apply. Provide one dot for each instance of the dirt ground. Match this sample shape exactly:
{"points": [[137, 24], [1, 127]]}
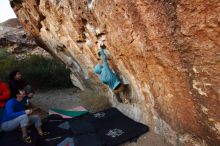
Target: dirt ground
{"points": [[68, 98]]}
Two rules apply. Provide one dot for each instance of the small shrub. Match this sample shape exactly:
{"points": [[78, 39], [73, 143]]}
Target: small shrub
{"points": [[40, 72]]}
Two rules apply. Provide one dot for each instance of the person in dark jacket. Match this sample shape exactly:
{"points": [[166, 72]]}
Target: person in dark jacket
{"points": [[4, 96], [15, 116], [17, 82], [107, 76]]}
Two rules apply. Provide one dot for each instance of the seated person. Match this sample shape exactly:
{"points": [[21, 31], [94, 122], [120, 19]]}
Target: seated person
{"points": [[4, 96], [106, 75], [17, 82], [15, 116]]}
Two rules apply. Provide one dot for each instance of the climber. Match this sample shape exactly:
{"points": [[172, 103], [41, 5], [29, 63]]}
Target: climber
{"points": [[107, 76], [17, 82], [15, 116]]}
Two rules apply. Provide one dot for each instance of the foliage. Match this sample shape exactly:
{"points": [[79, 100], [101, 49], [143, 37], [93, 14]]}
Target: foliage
{"points": [[39, 71]]}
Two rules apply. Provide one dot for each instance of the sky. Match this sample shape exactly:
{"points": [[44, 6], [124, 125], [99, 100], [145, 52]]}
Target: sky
{"points": [[6, 12]]}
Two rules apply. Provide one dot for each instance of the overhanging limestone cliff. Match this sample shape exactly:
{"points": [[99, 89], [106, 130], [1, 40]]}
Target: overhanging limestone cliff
{"points": [[168, 52]]}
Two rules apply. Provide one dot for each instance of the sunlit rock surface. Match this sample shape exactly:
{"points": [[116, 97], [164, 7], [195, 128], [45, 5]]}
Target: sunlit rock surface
{"points": [[167, 51]]}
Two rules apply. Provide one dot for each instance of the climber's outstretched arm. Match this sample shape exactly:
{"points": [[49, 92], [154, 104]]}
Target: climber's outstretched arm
{"points": [[105, 62]]}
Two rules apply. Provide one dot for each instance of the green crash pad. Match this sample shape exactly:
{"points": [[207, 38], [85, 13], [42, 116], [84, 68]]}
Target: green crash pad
{"points": [[70, 113]]}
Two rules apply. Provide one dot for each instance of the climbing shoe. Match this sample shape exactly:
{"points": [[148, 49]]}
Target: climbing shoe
{"points": [[27, 139]]}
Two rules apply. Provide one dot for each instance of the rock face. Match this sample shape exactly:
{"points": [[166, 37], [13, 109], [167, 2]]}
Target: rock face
{"points": [[16, 40], [167, 51]]}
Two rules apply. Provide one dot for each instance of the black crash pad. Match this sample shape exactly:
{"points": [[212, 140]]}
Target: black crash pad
{"points": [[108, 128], [59, 129]]}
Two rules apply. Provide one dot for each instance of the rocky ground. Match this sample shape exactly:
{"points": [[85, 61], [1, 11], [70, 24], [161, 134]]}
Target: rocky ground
{"points": [[67, 98]]}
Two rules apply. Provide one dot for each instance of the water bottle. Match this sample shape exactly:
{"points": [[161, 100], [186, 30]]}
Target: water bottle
{"points": [[27, 102]]}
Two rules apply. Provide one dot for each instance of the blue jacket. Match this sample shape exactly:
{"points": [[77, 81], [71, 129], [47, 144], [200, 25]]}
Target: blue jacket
{"points": [[12, 110], [106, 75]]}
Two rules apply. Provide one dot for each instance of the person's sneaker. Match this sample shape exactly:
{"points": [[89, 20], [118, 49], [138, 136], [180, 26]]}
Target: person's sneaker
{"points": [[44, 134], [27, 139]]}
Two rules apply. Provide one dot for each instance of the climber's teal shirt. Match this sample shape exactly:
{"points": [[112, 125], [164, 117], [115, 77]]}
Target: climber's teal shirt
{"points": [[106, 75]]}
